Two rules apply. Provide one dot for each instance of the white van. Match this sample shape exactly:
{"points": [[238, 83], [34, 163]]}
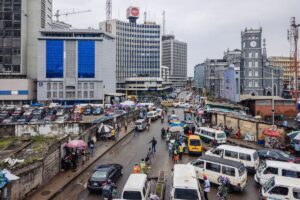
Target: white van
{"points": [[249, 157], [158, 112], [210, 134], [136, 187], [270, 168], [152, 115], [215, 168], [185, 184], [279, 187], [140, 124]]}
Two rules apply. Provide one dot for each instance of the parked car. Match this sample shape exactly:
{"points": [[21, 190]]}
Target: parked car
{"points": [[18, 112], [102, 174], [8, 120], [36, 118], [75, 117], [108, 112], [62, 119], [98, 111], [60, 112], [4, 115], [50, 118], [88, 111], [275, 154]]}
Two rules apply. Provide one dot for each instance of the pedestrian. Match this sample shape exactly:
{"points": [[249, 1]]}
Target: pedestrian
{"points": [[180, 151], [206, 187], [170, 149], [203, 121], [143, 166], [175, 156], [126, 126], [153, 144], [136, 168], [113, 134], [91, 145], [83, 154]]}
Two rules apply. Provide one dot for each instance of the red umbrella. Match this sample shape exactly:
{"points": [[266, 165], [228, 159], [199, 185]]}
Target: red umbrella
{"points": [[78, 144], [271, 133]]}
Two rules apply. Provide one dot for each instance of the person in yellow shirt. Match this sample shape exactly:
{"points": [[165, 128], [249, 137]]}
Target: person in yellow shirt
{"points": [[113, 134], [180, 151]]}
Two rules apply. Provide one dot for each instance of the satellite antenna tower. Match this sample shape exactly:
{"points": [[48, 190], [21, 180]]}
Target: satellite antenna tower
{"points": [[108, 15]]}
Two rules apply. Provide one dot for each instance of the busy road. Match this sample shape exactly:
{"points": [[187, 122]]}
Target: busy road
{"points": [[131, 150]]}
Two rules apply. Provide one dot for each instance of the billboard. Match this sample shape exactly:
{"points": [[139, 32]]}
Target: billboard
{"points": [[133, 12]]}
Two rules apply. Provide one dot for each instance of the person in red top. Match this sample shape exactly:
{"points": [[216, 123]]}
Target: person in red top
{"points": [[238, 134], [190, 132], [136, 169]]}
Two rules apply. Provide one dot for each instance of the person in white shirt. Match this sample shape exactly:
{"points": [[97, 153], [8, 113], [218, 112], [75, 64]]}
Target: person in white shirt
{"points": [[206, 187]]}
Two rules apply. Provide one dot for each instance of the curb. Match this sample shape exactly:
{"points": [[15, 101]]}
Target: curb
{"points": [[88, 165]]}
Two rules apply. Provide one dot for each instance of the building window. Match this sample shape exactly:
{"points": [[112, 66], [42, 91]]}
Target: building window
{"points": [[48, 95], [250, 83], [250, 73], [54, 94], [256, 54], [91, 86], [60, 86], [61, 95], [256, 64], [79, 95], [86, 59], [79, 86], [54, 86], [255, 83], [253, 63], [91, 94], [85, 94], [48, 86], [256, 73], [54, 58], [85, 86]]}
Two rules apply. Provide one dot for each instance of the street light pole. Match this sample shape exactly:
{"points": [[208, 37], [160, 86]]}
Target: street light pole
{"points": [[273, 107]]}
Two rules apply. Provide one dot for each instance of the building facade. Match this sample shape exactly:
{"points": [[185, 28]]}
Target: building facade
{"points": [[199, 76], [232, 83], [174, 56], [286, 64], [138, 50], [165, 73], [257, 75], [20, 23], [75, 65]]}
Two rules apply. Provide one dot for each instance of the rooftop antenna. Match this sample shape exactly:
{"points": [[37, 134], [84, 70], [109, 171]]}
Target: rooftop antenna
{"points": [[108, 15], [145, 17], [164, 23]]}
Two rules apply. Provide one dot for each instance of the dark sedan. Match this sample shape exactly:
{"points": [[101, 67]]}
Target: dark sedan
{"points": [[275, 154], [102, 174]]}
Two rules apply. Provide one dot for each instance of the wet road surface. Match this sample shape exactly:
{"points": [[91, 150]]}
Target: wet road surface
{"points": [[132, 150]]}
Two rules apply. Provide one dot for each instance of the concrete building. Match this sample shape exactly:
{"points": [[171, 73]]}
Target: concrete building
{"points": [[257, 75], [19, 29], [174, 56], [165, 73], [60, 25], [232, 83], [75, 65], [199, 76], [286, 64], [138, 48]]}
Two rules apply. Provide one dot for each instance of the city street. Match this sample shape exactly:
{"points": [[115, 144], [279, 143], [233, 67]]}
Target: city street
{"points": [[132, 150]]}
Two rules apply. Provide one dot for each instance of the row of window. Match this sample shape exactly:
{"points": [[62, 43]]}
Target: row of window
{"points": [[126, 35], [252, 83], [85, 86], [253, 73], [80, 94]]}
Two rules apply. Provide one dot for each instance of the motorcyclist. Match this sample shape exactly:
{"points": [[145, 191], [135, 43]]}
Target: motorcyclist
{"points": [[223, 188], [109, 190]]}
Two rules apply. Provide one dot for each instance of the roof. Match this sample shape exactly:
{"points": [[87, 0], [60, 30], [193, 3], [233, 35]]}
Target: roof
{"points": [[287, 181], [211, 129], [115, 94], [135, 181], [237, 148], [184, 176], [283, 165], [246, 97], [194, 137], [221, 161]]}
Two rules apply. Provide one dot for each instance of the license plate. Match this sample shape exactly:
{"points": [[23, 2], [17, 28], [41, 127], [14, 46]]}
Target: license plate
{"points": [[95, 184]]}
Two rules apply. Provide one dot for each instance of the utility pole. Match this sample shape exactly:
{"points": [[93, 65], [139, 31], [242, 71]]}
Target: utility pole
{"points": [[293, 38]]}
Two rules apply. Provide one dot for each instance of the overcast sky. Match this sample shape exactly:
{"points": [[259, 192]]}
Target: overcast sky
{"points": [[208, 26]]}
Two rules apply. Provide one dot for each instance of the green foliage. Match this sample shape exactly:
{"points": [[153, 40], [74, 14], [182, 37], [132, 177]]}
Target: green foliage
{"points": [[5, 142]]}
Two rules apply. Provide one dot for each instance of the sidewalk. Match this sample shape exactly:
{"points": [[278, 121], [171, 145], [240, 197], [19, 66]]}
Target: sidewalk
{"points": [[60, 181]]}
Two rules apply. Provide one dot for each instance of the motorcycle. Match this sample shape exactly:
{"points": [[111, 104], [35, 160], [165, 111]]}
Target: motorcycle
{"points": [[109, 191]]}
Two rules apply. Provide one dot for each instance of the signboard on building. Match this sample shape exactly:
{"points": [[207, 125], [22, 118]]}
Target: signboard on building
{"points": [[133, 12]]}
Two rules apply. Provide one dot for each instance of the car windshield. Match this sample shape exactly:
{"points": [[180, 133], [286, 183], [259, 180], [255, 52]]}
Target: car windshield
{"points": [[188, 194], [261, 166], [221, 135], [195, 142], [283, 154], [242, 170], [99, 174], [255, 156], [269, 184], [132, 195]]}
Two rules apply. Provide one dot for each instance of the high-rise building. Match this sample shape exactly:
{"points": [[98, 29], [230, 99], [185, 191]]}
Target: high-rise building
{"points": [[138, 48], [174, 56], [286, 64], [75, 65], [20, 23], [199, 76]]}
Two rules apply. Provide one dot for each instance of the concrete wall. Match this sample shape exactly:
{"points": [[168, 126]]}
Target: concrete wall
{"points": [[48, 129], [14, 85]]}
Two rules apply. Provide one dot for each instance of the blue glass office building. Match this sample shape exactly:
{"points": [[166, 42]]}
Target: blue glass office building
{"points": [[86, 59], [54, 59]]}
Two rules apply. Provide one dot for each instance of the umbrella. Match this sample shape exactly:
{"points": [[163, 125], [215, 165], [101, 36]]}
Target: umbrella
{"points": [[271, 133], [176, 129], [105, 129], [78, 144], [177, 123], [297, 137], [294, 134]]}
